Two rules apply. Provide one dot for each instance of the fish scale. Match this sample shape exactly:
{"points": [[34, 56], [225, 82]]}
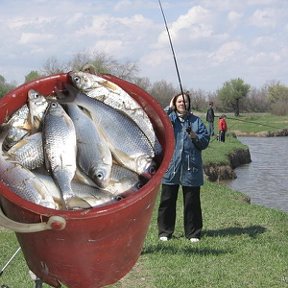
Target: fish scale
{"points": [[111, 94], [93, 154], [24, 183], [59, 145], [127, 142]]}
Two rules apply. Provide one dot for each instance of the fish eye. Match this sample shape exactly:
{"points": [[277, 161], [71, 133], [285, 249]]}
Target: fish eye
{"points": [[139, 185], [100, 175], [77, 79], [118, 198], [152, 170]]}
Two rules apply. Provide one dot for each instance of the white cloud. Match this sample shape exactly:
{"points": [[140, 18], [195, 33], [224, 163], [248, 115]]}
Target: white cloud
{"points": [[264, 59], [263, 18], [213, 39], [195, 16], [226, 52], [23, 22], [111, 47], [32, 38], [262, 42], [193, 25], [234, 17]]}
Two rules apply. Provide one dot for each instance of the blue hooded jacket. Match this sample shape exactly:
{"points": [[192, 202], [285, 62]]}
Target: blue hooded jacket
{"points": [[185, 167]]}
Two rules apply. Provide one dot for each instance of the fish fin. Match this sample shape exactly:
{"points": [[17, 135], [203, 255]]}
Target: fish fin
{"points": [[83, 178], [41, 188], [124, 159], [110, 86], [35, 123], [26, 126], [75, 203], [17, 146]]}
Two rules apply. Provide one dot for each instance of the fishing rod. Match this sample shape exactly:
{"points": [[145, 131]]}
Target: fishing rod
{"points": [[173, 52], [12, 257]]}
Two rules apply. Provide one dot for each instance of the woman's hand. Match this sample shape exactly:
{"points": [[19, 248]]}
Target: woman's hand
{"points": [[191, 133], [171, 104]]}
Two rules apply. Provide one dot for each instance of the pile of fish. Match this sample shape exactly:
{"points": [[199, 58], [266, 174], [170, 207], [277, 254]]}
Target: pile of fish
{"points": [[85, 146]]}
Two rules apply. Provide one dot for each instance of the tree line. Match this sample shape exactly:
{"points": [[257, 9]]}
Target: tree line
{"points": [[234, 96]]}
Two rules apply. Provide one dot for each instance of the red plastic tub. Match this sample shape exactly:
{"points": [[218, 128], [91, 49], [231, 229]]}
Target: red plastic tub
{"points": [[90, 248]]}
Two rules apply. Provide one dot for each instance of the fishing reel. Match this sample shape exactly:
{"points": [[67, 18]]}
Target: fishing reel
{"points": [[189, 130]]}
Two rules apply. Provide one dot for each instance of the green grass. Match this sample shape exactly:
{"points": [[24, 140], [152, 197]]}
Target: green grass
{"points": [[243, 245], [253, 123], [218, 152]]}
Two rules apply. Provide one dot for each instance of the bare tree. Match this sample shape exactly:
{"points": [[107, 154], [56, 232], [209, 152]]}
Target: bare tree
{"points": [[53, 66], [143, 82], [163, 92], [198, 99]]}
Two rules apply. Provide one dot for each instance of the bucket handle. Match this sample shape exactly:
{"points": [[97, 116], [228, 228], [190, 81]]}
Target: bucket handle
{"points": [[54, 223]]}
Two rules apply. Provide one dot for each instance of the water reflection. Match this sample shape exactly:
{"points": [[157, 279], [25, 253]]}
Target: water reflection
{"points": [[265, 178]]}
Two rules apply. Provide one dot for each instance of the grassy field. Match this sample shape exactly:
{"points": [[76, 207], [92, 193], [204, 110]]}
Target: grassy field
{"points": [[243, 245], [217, 152], [254, 123]]}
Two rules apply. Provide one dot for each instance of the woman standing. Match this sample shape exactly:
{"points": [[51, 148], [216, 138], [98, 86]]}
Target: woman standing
{"points": [[185, 169]]}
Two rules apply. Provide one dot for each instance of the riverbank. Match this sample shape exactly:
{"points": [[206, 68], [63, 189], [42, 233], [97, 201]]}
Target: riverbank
{"points": [[217, 172], [277, 133], [232, 154], [220, 159]]}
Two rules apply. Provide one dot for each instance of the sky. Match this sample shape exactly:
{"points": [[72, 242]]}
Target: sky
{"points": [[214, 40]]}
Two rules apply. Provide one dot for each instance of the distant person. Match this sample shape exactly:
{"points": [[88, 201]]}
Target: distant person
{"points": [[222, 127], [185, 169], [210, 118]]}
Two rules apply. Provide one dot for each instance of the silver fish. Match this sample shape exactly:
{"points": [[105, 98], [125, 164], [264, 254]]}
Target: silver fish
{"points": [[86, 82], [85, 196], [93, 154], [19, 127], [123, 180], [37, 104], [24, 183], [20, 118], [28, 152], [59, 146], [128, 144], [14, 135], [111, 94]]}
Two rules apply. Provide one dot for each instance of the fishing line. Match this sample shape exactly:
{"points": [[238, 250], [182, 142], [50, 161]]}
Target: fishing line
{"points": [[246, 121], [252, 122], [173, 52]]}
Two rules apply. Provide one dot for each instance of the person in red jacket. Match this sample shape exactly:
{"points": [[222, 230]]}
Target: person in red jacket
{"points": [[222, 127]]}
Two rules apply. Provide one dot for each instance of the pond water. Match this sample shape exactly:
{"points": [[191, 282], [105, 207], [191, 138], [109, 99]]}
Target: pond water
{"points": [[265, 179]]}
